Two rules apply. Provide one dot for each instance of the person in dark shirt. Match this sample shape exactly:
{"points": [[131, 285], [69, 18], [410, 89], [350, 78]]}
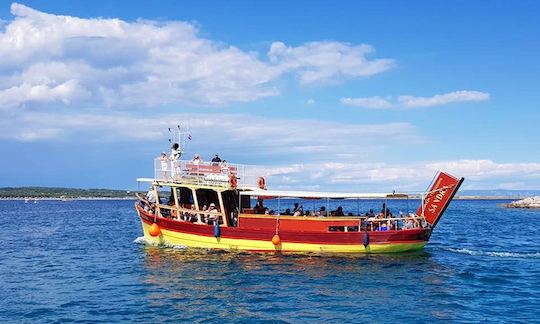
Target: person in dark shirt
{"points": [[385, 211], [259, 208], [216, 159]]}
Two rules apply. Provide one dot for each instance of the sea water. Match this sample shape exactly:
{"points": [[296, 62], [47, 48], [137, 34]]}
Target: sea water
{"points": [[85, 261]]}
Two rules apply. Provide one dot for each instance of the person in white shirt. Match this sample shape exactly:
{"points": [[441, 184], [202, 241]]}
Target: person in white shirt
{"points": [[197, 159], [175, 158]]}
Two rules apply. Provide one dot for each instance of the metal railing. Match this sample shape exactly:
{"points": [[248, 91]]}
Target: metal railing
{"points": [[203, 173]]}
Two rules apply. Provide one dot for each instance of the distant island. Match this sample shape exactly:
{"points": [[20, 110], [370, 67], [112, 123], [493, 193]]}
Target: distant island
{"points": [[63, 193]]}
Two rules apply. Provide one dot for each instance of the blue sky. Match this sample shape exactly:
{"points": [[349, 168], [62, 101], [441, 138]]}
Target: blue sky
{"points": [[355, 96]]}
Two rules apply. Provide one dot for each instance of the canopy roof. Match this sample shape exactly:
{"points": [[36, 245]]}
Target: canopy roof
{"points": [[311, 194]]}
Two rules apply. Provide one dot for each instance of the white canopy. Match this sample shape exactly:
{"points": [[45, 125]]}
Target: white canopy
{"points": [[312, 194]]}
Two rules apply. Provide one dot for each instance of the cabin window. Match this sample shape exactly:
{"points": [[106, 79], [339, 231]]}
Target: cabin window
{"points": [[185, 197], [205, 197]]}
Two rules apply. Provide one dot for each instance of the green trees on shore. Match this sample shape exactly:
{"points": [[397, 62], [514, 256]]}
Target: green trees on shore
{"points": [[46, 192]]}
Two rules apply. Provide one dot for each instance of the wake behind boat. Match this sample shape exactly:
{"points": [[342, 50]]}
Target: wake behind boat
{"points": [[218, 205]]}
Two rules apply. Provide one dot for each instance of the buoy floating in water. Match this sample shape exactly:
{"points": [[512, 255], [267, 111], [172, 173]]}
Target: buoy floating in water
{"points": [[154, 230], [276, 240]]}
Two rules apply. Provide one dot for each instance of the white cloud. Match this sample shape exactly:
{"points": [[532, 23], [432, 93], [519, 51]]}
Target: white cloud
{"points": [[416, 102], [442, 99], [326, 61], [368, 102], [310, 102], [47, 58]]}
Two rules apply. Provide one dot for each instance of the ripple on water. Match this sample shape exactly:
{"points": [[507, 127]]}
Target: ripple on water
{"points": [[87, 262]]}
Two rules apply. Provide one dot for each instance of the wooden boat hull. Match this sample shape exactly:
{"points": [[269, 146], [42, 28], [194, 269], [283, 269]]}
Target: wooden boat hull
{"points": [[188, 234]]}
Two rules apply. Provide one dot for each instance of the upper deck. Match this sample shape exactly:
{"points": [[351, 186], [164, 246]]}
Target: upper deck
{"points": [[218, 174]]}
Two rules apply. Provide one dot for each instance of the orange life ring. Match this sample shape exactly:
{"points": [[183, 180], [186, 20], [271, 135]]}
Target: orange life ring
{"points": [[233, 181], [261, 183]]}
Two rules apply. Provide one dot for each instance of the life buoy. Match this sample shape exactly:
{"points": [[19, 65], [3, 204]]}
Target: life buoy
{"points": [[233, 181], [261, 183]]}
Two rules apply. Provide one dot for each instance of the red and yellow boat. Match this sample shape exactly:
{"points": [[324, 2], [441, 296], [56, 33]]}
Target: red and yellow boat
{"points": [[204, 205]]}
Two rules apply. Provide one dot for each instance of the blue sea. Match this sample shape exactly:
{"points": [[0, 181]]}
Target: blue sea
{"points": [[85, 261]]}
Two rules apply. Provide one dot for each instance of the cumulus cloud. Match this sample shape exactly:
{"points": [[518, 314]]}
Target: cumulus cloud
{"points": [[416, 102], [47, 58], [325, 61]]}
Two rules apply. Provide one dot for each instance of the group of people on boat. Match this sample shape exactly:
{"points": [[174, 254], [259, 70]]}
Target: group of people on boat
{"points": [[382, 221], [208, 213], [173, 160]]}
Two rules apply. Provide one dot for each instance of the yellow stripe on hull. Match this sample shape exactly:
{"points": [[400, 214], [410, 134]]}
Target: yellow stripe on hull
{"points": [[198, 241]]}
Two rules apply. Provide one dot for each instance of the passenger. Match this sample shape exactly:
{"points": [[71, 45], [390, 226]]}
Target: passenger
{"points": [[323, 212], [307, 213], [298, 208], [370, 213], [385, 211], [259, 208], [164, 165], [297, 213], [151, 197], [287, 212], [350, 214], [399, 223], [197, 159], [224, 167], [211, 217], [339, 211], [216, 159], [266, 211], [408, 224], [383, 227], [175, 158]]}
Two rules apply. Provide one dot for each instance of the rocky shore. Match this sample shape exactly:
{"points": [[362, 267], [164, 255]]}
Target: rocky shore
{"points": [[531, 202]]}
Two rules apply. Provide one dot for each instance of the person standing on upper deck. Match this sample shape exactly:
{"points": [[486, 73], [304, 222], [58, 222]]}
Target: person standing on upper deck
{"points": [[216, 159], [197, 159], [175, 158]]}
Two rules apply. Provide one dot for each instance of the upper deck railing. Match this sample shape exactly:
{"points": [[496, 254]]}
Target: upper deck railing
{"points": [[222, 174]]}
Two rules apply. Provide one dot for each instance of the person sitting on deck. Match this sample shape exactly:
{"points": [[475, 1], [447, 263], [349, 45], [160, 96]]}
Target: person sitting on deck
{"points": [[385, 211], [322, 212], [307, 213], [287, 212], [383, 226], [212, 218], [297, 213], [259, 208], [338, 212], [152, 199], [298, 208], [370, 213]]}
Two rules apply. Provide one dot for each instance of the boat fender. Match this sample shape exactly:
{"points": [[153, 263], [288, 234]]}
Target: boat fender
{"points": [[233, 181], [154, 230], [276, 240], [261, 183], [366, 239], [217, 230]]}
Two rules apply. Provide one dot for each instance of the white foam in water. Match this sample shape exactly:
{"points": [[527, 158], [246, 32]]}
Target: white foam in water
{"points": [[142, 240], [498, 254]]}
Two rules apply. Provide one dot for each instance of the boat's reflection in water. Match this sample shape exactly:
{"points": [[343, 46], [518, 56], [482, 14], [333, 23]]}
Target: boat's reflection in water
{"points": [[253, 284]]}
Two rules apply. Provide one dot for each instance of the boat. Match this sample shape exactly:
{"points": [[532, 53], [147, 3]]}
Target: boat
{"points": [[216, 205]]}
